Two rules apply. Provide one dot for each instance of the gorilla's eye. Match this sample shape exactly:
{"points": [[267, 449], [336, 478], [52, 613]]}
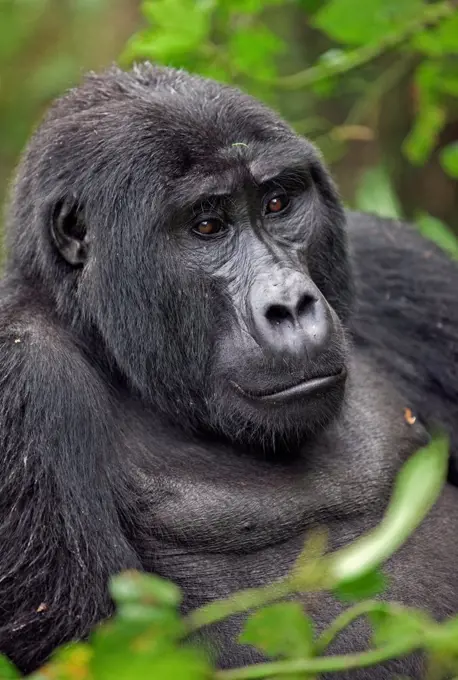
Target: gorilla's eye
{"points": [[209, 228], [277, 204]]}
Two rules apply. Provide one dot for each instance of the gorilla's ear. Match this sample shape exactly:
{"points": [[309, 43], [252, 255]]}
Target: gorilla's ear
{"points": [[68, 232]]}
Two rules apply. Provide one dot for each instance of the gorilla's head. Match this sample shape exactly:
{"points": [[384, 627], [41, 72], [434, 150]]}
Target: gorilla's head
{"points": [[199, 241]]}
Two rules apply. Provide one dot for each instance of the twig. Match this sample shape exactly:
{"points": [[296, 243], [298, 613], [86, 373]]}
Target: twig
{"points": [[238, 603], [344, 620], [431, 14], [327, 664]]}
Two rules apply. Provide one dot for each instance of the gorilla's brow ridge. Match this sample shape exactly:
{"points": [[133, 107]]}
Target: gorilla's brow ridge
{"points": [[216, 187], [275, 161]]}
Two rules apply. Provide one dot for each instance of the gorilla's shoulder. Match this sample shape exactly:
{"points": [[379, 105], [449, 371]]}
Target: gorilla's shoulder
{"points": [[41, 362], [367, 232]]}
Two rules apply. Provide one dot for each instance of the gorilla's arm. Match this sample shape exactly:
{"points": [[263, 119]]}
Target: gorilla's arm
{"points": [[59, 532], [407, 313]]}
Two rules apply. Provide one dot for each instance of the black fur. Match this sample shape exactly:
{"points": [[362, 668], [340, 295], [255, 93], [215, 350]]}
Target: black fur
{"points": [[123, 440], [407, 316]]}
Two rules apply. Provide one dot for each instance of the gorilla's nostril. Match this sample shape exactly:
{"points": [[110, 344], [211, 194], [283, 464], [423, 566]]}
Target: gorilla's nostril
{"points": [[277, 314], [304, 305]]}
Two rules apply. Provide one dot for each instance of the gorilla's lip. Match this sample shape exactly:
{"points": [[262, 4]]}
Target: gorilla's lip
{"points": [[305, 388]]}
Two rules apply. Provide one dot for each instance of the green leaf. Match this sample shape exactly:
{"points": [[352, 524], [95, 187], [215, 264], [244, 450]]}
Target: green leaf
{"points": [[425, 471], [148, 589], [185, 663], [8, 670], [70, 662], [426, 79], [359, 22], [160, 630], [367, 586], [438, 232], [390, 626], [445, 637], [133, 644], [448, 79], [310, 6], [251, 6], [449, 159], [439, 40], [375, 194], [180, 16], [422, 139], [168, 664], [176, 27], [433, 79], [252, 51], [442, 647], [280, 629]]}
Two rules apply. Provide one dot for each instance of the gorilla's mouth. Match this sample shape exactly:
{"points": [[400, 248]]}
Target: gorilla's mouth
{"points": [[299, 390]]}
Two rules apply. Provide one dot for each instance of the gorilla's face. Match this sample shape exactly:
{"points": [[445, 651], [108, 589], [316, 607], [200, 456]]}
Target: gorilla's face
{"points": [[209, 252], [258, 231]]}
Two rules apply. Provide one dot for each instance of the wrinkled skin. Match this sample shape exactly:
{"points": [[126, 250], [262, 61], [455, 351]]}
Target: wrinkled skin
{"points": [[188, 383]]}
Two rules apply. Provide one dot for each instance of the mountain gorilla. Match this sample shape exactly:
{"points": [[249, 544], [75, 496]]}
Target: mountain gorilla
{"points": [[180, 391]]}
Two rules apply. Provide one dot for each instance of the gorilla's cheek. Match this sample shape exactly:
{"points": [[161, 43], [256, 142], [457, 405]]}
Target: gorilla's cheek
{"points": [[237, 355]]}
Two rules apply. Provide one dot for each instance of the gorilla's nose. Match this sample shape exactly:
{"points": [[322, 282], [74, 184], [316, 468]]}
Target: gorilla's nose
{"points": [[291, 317]]}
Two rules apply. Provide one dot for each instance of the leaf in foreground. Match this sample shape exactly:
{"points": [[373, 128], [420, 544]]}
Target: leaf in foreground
{"points": [[281, 629], [416, 489]]}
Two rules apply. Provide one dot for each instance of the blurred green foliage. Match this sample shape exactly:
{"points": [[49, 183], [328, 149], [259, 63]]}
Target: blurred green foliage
{"points": [[334, 68], [45, 45], [149, 639]]}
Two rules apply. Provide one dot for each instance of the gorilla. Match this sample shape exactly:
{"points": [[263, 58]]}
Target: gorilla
{"points": [[202, 356]]}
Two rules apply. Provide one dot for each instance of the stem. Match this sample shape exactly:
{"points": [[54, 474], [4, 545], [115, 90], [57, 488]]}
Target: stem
{"points": [[361, 109], [329, 664], [237, 603], [343, 621], [431, 15]]}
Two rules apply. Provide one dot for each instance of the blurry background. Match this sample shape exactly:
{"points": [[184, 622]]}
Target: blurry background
{"points": [[373, 82]]}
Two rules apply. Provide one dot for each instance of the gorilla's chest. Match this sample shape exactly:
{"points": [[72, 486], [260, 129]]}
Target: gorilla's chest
{"points": [[204, 497], [237, 523], [247, 509]]}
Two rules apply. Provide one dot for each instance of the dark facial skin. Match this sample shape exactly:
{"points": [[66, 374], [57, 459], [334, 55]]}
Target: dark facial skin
{"points": [[283, 346], [178, 393]]}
